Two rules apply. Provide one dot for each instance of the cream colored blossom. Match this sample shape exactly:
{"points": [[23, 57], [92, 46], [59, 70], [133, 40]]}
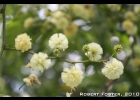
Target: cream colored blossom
{"points": [[114, 7], [80, 11], [61, 23], [28, 22], [94, 52], [71, 29], [113, 69], [130, 16], [57, 14], [40, 61], [68, 94], [72, 77], [137, 9], [127, 25], [133, 30], [23, 42], [59, 41]]}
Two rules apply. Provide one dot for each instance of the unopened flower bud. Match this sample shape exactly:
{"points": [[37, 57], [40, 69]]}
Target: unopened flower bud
{"points": [[118, 48], [85, 48], [56, 52]]}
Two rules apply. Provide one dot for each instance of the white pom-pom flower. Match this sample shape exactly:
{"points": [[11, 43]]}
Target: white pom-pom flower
{"points": [[23, 42], [58, 41], [72, 77], [39, 61], [94, 52], [113, 69]]}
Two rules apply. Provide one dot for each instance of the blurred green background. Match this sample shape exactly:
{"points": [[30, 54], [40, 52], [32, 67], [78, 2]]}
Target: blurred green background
{"points": [[100, 23]]}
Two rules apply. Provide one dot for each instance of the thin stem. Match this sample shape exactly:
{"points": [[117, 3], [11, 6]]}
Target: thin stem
{"points": [[8, 48], [22, 86], [72, 62], [108, 58]]}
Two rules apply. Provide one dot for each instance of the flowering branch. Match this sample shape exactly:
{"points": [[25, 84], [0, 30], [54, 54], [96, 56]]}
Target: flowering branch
{"points": [[72, 62]]}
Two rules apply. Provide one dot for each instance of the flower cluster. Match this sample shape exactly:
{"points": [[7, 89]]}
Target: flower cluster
{"points": [[128, 24], [71, 77]]}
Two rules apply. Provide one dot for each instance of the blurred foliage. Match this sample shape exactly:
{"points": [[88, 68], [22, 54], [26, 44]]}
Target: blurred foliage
{"points": [[103, 25]]}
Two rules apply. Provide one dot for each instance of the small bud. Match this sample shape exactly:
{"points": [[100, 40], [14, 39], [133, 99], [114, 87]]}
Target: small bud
{"points": [[85, 48], [56, 52], [118, 48]]}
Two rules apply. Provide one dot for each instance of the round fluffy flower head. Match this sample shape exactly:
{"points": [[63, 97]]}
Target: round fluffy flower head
{"points": [[94, 52], [59, 41], [23, 42], [130, 15], [113, 69], [28, 22], [133, 30], [72, 77], [127, 25], [40, 61]]}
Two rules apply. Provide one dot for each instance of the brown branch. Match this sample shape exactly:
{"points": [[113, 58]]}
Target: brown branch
{"points": [[107, 85], [3, 29]]}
